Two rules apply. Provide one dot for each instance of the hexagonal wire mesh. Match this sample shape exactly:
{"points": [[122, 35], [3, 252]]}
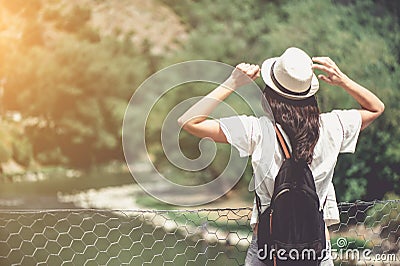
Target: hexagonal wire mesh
{"points": [[176, 237]]}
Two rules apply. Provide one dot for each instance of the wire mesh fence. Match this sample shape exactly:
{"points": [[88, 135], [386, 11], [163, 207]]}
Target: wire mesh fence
{"points": [[178, 237]]}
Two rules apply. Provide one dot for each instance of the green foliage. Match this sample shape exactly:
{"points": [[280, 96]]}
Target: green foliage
{"points": [[22, 151], [5, 144], [361, 36], [76, 84], [74, 88], [387, 216], [52, 157], [14, 144], [352, 243]]}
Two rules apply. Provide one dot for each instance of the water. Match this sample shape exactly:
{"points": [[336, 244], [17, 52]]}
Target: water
{"points": [[43, 194]]}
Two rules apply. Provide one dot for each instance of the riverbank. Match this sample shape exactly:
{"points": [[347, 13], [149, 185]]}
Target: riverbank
{"points": [[107, 187], [132, 197]]}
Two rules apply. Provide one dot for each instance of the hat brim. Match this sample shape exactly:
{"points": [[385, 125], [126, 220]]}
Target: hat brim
{"points": [[266, 76]]}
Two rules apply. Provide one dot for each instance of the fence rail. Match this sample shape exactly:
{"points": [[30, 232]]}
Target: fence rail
{"points": [[177, 237]]}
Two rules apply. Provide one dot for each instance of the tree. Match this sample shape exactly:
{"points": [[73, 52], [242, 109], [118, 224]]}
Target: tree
{"points": [[362, 41]]}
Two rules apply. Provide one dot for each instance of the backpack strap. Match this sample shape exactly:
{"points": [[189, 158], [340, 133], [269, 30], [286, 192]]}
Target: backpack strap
{"points": [[258, 203], [286, 152], [282, 143]]}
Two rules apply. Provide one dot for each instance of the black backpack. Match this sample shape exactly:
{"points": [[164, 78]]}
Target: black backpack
{"points": [[291, 229]]}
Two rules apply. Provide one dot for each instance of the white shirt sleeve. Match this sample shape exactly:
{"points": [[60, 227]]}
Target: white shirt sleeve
{"points": [[350, 121], [242, 132]]}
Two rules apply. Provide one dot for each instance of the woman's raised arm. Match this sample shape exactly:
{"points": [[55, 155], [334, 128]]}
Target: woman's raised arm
{"points": [[195, 119], [372, 106]]}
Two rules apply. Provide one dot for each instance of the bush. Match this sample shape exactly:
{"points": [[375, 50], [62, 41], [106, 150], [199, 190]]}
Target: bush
{"points": [[5, 152], [365, 48], [5, 143], [352, 243], [387, 216], [52, 157], [22, 151]]}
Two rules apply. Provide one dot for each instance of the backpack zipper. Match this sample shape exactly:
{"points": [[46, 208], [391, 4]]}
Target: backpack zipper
{"points": [[281, 192], [272, 210], [270, 221]]}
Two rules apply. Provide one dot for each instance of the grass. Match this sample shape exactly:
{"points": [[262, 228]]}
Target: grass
{"points": [[151, 203]]}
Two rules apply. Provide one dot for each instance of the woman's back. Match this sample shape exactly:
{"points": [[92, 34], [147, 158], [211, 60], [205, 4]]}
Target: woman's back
{"points": [[338, 133], [317, 139]]}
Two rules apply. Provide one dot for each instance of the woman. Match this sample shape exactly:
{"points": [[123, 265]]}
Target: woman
{"points": [[290, 91]]}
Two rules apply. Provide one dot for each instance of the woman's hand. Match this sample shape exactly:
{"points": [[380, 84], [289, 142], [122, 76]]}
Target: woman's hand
{"points": [[372, 106], [333, 74], [244, 74], [195, 119]]}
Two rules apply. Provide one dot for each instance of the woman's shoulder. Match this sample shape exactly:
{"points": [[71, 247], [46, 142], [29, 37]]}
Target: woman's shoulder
{"points": [[252, 120], [340, 117], [341, 126], [329, 122], [328, 115]]}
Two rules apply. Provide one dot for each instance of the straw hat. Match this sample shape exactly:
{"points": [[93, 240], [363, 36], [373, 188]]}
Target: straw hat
{"points": [[291, 74]]}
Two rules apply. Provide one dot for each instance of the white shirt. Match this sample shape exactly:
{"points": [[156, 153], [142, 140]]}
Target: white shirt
{"points": [[252, 136]]}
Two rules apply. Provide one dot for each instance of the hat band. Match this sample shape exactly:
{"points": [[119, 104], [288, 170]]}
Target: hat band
{"points": [[283, 89]]}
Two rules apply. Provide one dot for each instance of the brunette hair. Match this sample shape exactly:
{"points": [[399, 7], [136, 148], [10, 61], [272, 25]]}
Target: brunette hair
{"points": [[299, 119]]}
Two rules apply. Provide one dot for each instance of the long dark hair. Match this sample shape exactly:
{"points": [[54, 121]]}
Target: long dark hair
{"points": [[299, 119]]}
